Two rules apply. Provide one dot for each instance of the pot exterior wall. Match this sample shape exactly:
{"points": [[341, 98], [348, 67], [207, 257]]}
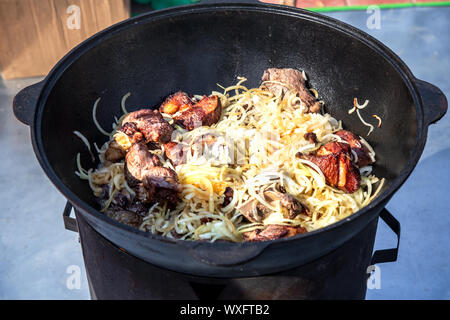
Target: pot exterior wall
{"points": [[115, 274]]}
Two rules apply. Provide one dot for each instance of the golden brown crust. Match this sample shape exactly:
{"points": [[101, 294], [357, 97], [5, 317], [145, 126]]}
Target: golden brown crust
{"points": [[272, 232], [355, 144], [206, 112], [179, 101], [294, 80], [334, 160], [114, 152], [150, 123]]}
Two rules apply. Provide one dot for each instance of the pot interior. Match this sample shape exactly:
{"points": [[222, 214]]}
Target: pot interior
{"points": [[194, 50]]}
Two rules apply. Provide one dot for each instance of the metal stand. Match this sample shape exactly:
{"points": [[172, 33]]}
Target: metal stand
{"points": [[114, 274]]}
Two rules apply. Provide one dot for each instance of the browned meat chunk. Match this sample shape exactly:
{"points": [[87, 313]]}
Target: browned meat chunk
{"points": [[125, 217], [310, 137], [144, 193], [160, 185], [255, 211], [150, 181], [206, 112], [162, 177], [137, 161], [272, 232], [333, 147], [120, 200], [176, 152], [228, 196], [293, 80], [334, 160], [349, 176], [131, 130], [151, 124], [360, 149], [292, 205], [137, 208], [114, 152], [178, 101]]}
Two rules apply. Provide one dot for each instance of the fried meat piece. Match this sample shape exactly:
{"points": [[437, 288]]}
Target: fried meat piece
{"points": [[159, 185], [151, 181], [294, 81], [359, 148], [150, 123], [292, 206], [179, 101], [272, 232], [132, 132], [161, 177], [333, 147], [255, 211], [310, 137], [176, 152], [334, 160], [228, 196], [206, 112], [125, 217], [137, 161], [115, 151]]}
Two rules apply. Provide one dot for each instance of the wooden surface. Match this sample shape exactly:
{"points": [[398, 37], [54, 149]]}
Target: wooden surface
{"points": [[35, 34]]}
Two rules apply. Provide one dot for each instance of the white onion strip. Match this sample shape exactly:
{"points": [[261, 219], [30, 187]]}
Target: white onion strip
{"points": [[94, 111]]}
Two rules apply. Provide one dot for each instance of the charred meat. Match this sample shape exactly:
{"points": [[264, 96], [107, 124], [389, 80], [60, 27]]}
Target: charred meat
{"points": [[294, 81], [228, 196], [255, 211], [115, 152], [292, 206], [177, 102], [272, 232], [125, 217], [137, 161], [359, 148], [334, 160], [206, 112], [150, 123], [310, 137], [131, 131], [144, 173]]}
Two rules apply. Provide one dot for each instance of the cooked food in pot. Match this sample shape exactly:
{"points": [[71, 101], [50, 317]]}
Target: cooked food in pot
{"points": [[238, 165]]}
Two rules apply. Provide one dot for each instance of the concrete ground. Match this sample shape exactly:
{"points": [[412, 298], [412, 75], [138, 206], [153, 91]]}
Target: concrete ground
{"points": [[39, 258]]}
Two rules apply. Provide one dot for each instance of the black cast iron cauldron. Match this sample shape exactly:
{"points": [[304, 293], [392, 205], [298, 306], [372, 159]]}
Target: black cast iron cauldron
{"points": [[193, 48]]}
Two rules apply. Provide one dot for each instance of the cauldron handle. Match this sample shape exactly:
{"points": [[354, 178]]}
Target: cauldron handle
{"points": [[388, 255], [434, 101], [69, 222], [25, 102]]}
